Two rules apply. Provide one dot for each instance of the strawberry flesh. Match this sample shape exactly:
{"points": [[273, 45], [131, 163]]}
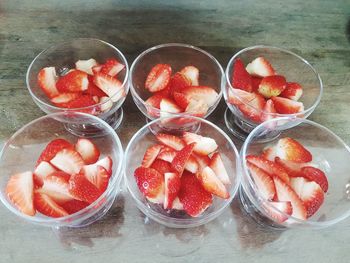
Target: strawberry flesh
{"points": [[73, 81], [171, 189], [272, 86], [291, 150], [158, 77], [240, 77], [82, 189], [263, 181], [181, 158]]}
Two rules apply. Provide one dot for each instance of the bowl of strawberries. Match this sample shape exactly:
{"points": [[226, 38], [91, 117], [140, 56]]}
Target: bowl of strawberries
{"points": [[179, 178], [265, 82], [54, 178], [84, 75], [299, 179], [176, 79]]}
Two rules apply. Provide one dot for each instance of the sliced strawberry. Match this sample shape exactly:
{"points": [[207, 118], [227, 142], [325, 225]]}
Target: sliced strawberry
{"points": [[47, 81], [285, 207], [97, 175], [155, 100], [238, 96], [167, 156], [96, 69], [254, 108], [177, 205], [73, 81], [86, 65], [193, 196], [212, 184], [203, 161], [41, 171], [197, 108], [109, 85], [181, 158], [45, 205], [217, 165], [149, 181], [255, 83], [201, 93], [269, 111], [203, 146], [62, 99], [287, 106], [168, 106], [192, 165], [285, 193], [240, 77], [315, 175], [269, 153], [260, 67], [150, 155], [112, 67], [263, 181], [192, 74], [158, 78], [272, 86], [161, 166], [87, 150], [74, 206], [292, 168], [82, 189], [171, 141], [177, 83], [68, 161], [19, 190], [106, 104], [52, 149], [82, 102], [172, 183], [56, 188], [60, 174], [310, 193], [293, 91], [181, 100], [93, 90], [106, 163], [291, 150]]}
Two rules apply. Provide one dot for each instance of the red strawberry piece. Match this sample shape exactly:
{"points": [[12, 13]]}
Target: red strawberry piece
{"points": [[56, 187], [197, 108], [255, 83], [240, 77], [212, 184], [106, 163], [60, 174], [172, 183], [192, 74], [285, 193], [63, 99], [68, 161], [150, 155], [315, 175], [269, 153], [203, 161], [41, 171], [238, 96], [161, 166], [192, 165], [253, 110], [203, 146], [19, 190], [168, 106], [105, 104], [293, 91], [74, 206], [73, 81], [201, 93], [158, 78], [177, 205], [52, 149], [272, 86], [87, 150], [167, 156], [45, 205], [171, 141], [310, 193], [178, 82], [93, 90], [82, 102], [217, 165], [109, 85], [263, 181], [260, 67], [269, 111], [96, 69], [86, 65], [112, 67], [269, 167], [47, 81], [292, 168], [181, 158], [155, 100], [291, 150], [285, 207], [287, 106], [82, 189], [149, 181], [181, 100], [193, 196], [97, 175]]}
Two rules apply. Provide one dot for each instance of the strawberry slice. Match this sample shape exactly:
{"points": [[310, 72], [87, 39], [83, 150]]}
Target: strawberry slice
{"points": [[203, 146], [269, 167], [19, 190], [192, 165], [161, 166], [109, 85], [60, 174], [86, 65], [197, 108], [272, 86], [149, 181], [177, 205], [63, 99], [310, 193], [96, 69], [112, 67], [193, 196], [254, 108], [292, 168], [269, 153], [255, 83], [47, 81], [42, 171], [203, 161], [158, 78], [97, 175], [177, 83], [87, 150], [93, 90], [45, 205], [192, 74], [155, 100], [240, 77], [56, 188], [293, 91], [201, 93], [315, 175], [82, 189], [287, 106], [74, 206], [269, 111], [106, 104], [181, 158], [150, 155], [106, 163], [167, 156], [285, 193], [68, 161], [168, 106], [285, 207], [171, 188], [263, 181], [291, 150], [171, 141], [217, 165], [181, 100], [82, 102], [239, 97], [73, 81], [212, 184], [260, 67], [52, 149]]}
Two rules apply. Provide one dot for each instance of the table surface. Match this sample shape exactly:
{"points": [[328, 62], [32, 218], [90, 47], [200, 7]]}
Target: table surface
{"points": [[317, 30]]}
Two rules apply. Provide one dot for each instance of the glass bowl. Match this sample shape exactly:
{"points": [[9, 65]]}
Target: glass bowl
{"points": [[178, 56], [22, 150], [286, 63], [63, 56], [330, 154], [145, 138]]}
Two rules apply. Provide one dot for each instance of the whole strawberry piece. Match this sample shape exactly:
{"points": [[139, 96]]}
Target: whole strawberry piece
{"points": [[240, 77]]}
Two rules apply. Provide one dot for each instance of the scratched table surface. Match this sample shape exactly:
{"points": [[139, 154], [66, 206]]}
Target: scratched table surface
{"points": [[317, 30]]}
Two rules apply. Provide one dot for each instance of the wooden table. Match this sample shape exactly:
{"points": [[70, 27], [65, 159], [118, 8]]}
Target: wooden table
{"points": [[317, 30]]}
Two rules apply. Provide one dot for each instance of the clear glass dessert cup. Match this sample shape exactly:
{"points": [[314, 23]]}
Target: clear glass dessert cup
{"points": [[178, 56], [292, 66], [22, 150], [63, 56], [173, 218], [330, 154]]}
